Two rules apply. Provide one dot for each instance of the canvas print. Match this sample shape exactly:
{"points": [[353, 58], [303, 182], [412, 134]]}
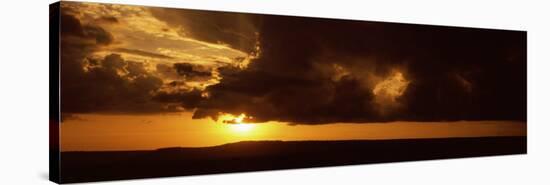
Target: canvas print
{"points": [[143, 92]]}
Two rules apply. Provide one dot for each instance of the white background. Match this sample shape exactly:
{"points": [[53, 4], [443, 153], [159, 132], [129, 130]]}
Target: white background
{"points": [[24, 92]]}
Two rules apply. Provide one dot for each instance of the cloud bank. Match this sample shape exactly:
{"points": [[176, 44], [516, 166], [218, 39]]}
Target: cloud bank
{"points": [[298, 70]]}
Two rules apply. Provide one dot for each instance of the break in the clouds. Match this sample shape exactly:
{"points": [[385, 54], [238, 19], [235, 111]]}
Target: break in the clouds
{"points": [[128, 59]]}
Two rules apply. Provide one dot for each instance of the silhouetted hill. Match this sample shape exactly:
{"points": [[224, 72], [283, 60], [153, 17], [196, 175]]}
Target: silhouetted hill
{"points": [[270, 155]]}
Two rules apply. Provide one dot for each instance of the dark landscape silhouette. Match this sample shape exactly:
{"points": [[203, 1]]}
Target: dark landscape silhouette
{"points": [[271, 155]]}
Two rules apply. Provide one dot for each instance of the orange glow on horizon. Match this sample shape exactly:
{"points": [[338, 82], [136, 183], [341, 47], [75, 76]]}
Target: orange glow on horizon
{"points": [[95, 132]]}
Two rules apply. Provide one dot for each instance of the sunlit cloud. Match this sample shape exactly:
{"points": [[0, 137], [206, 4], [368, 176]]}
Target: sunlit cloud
{"points": [[141, 37], [392, 87]]}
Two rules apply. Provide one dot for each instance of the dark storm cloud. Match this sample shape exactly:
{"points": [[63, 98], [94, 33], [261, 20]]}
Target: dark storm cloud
{"points": [[310, 71], [103, 90], [71, 26], [184, 72], [188, 100], [190, 71], [101, 36], [454, 73]]}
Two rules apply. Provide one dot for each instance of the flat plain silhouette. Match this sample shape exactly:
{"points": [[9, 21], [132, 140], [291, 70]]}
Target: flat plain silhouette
{"points": [[272, 155]]}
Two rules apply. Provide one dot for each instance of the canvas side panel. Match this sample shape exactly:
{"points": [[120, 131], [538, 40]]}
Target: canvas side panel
{"points": [[54, 91]]}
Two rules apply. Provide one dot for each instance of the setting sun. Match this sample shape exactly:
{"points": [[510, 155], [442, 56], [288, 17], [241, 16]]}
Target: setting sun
{"points": [[236, 123], [242, 127]]}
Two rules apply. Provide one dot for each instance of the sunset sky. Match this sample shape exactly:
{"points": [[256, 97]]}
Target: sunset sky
{"points": [[138, 78]]}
